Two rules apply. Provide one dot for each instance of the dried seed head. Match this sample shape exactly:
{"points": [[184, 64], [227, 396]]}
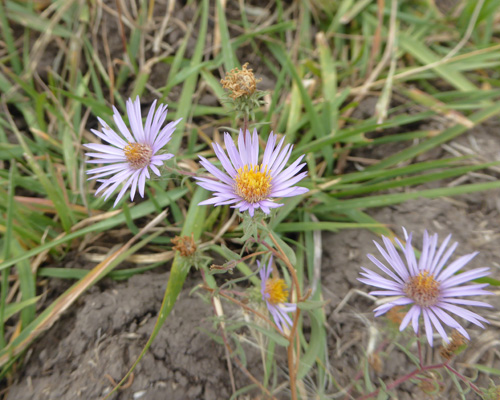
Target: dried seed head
{"points": [[240, 82], [456, 345], [185, 245], [431, 384], [376, 363], [396, 314]]}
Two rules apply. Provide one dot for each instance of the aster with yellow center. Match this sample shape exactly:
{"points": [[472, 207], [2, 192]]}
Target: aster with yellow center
{"points": [[132, 153], [246, 183], [430, 286], [275, 293]]}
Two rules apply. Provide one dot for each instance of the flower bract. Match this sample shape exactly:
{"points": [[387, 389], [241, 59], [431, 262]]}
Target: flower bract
{"points": [[275, 293], [248, 184], [132, 153], [430, 285]]}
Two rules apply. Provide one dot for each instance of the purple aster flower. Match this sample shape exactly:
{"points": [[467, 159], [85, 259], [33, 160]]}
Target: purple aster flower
{"points": [[247, 184], [131, 155], [275, 292], [431, 287]]}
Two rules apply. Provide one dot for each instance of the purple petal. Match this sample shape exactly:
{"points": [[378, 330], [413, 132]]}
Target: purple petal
{"points": [[455, 266], [232, 151], [121, 126], [428, 326], [465, 277], [271, 141], [438, 326]]}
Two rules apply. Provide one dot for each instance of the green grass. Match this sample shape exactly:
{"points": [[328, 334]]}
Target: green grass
{"points": [[57, 74]]}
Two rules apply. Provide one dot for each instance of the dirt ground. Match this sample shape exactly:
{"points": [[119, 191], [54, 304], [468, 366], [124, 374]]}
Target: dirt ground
{"points": [[96, 342]]}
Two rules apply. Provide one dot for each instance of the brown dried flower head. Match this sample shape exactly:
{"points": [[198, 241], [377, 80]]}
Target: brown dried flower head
{"points": [[431, 384], [240, 82], [396, 314], [376, 362], [184, 245], [456, 345]]}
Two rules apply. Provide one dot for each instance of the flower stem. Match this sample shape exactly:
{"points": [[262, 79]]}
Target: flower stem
{"points": [[463, 378], [245, 124], [419, 346]]}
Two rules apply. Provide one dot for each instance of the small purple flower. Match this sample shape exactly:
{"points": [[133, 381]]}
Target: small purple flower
{"points": [[131, 154], [431, 287], [247, 184], [275, 292]]}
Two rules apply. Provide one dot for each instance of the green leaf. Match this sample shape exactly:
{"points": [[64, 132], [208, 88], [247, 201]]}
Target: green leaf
{"points": [[184, 108], [11, 309], [396, 198], [228, 55], [316, 347], [426, 56]]}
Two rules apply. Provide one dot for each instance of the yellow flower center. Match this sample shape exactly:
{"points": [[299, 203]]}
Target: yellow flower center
{"points": [[252, 183], [277, 290], [138, 155], [423, 289]]}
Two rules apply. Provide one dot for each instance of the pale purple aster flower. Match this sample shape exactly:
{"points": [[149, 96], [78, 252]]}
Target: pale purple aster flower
{"points": [[247, 184], [430, 285], [131, 154], [274, 292]]}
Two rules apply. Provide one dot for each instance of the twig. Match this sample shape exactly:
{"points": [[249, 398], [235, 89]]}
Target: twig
{"points": [[123, 387], [120, 23], [376, 36]]}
